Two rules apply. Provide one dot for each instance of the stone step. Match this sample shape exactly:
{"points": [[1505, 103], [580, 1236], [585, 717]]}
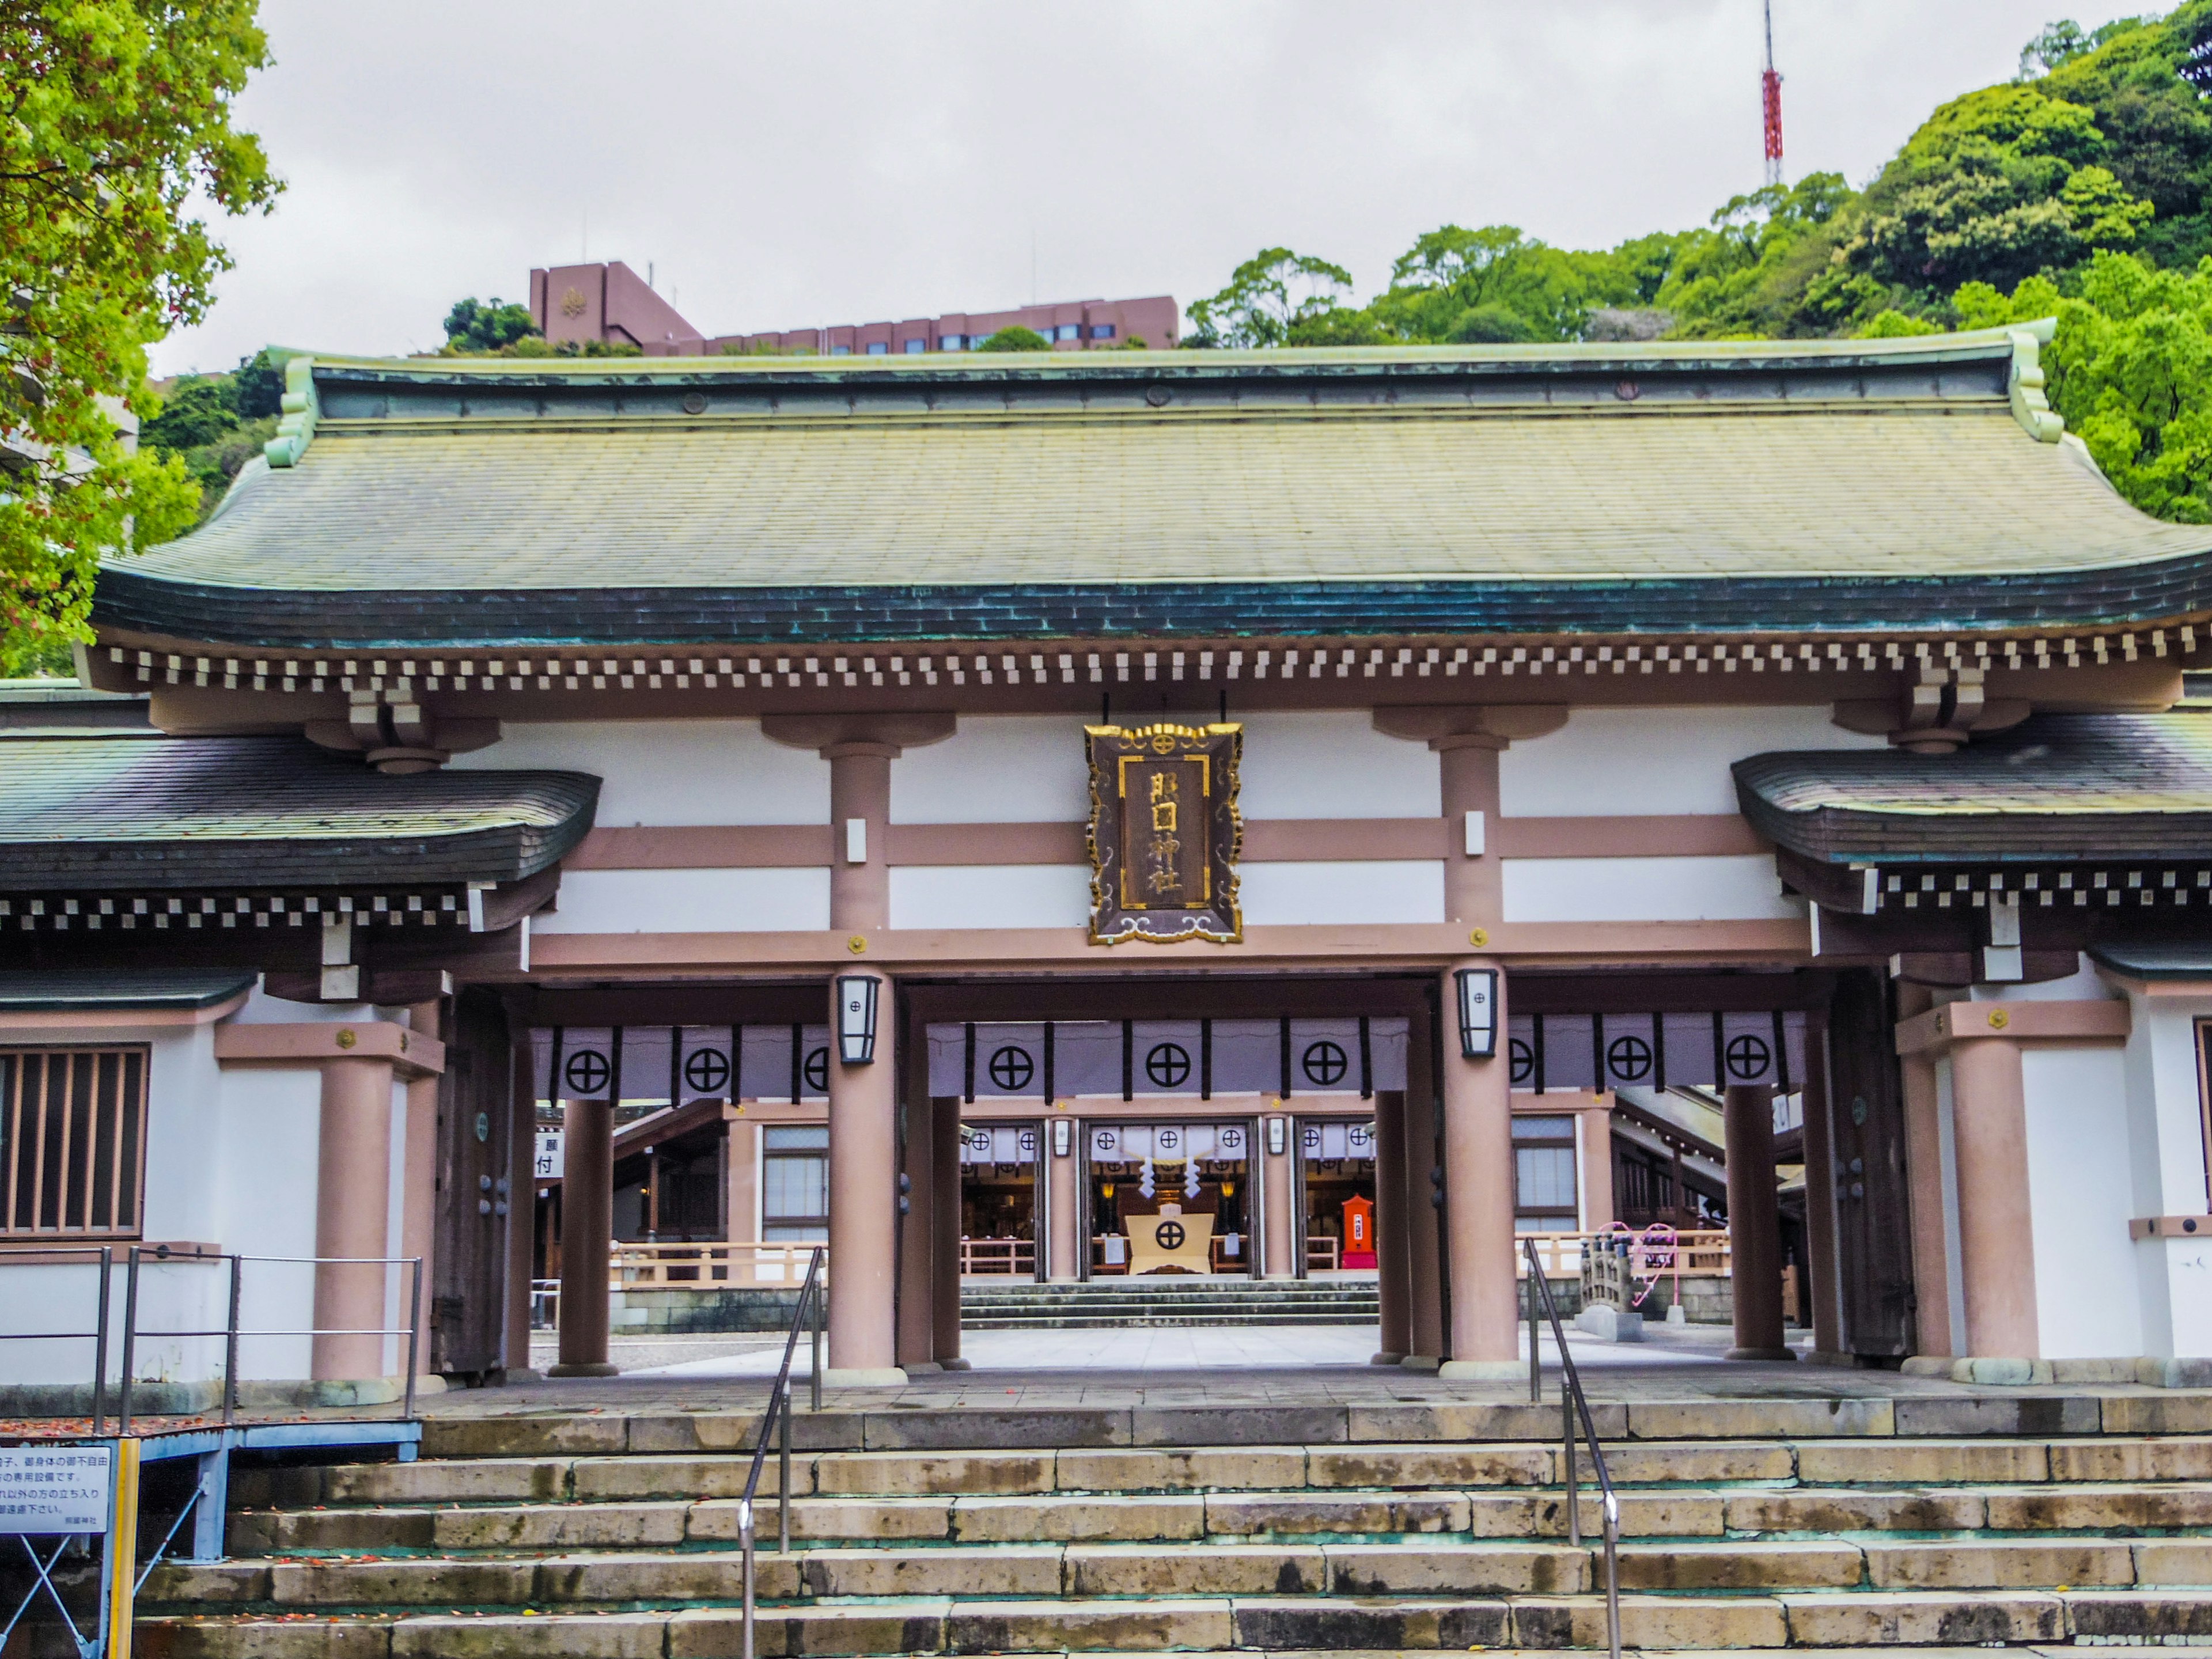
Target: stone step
{"points": [[1844, 1625], [1001, 1571], [1157, 1547], [1762, 1487], [2073, 1436]]}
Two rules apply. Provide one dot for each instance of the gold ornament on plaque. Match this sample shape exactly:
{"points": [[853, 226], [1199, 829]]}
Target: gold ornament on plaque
{"points": [[572, 303], [1165, 833]]}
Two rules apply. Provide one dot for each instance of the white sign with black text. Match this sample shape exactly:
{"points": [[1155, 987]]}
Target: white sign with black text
{"points": [[55, 1489]]}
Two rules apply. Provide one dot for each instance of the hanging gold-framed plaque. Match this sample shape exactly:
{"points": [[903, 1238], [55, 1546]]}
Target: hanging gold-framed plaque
{"points": [[1165, 833]]}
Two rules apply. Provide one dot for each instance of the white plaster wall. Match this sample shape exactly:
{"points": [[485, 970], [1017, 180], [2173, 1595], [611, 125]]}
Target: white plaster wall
{"points": [[1019, 768], [2084, 984], [1735, 888], [1339, 893], [272, 1125], [773, 900], [2165, 1148], [2079, 1200], [1334, 764], [1653, 762], [36, 1302], [990, 896], [663, 772], [182, 1157], [262, 1009]]}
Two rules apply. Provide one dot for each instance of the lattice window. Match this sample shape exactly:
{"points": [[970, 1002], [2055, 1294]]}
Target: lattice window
{"points": [[72, 1142]]}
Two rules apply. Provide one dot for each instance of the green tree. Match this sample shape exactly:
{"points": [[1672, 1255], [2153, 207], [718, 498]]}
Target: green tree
{"points": [[215, 423], [2158, 134], [2061, 43], [200, 411], [118, 124], [1268, 295], [1994, 187], [2130, 369], [1750, 270], [256, 387], [1016, 339], [480, 326], [1495, 284]]}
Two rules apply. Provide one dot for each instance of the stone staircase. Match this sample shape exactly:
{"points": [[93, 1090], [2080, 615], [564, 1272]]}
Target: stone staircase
{"points": [[1109, 1302], [1830, 1523]]}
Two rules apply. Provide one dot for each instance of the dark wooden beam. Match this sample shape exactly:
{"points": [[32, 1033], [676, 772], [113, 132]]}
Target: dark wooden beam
{"points": [[803, 1003], [1630, 991], [1166, 997]]}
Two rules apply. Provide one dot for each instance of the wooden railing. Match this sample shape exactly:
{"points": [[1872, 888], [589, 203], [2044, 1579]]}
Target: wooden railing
{"points": [[1005, 1257], [1700, 1255], [1321, 1252], [698, 1266], [1608, 1274]]}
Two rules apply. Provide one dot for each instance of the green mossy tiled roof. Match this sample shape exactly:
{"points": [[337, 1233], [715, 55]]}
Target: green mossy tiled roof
{"points": [[2056, 787], [1685, 489], [124, 811], [1447, 495]]}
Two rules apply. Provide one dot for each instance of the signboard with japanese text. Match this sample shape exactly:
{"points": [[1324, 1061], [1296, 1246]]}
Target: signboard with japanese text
{"points": [[549, 1163], [1165, 833], [55, 1489]]}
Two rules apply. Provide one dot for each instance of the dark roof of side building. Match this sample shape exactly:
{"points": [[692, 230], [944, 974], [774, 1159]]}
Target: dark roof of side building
{"points": [[117, 811], [70, 990], [2055, 787], [1687, 488]]}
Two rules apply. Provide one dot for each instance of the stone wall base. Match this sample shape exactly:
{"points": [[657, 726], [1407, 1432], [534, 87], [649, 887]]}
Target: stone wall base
{"points": [[203, 1398], [2155, 1373]]}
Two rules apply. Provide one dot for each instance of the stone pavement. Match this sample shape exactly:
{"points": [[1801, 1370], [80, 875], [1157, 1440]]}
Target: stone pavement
{"points": [[1672, 1367]]}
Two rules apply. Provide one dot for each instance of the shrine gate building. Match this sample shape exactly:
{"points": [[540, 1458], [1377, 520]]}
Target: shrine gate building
{"points": [[1140, 812]]}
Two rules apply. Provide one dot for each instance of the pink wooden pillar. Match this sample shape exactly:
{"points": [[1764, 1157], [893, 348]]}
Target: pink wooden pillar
{"points": [[352, 1217], [864, 1134], [1997, 1241]]}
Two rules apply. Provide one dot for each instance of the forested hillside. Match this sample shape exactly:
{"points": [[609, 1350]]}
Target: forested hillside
{"points": [[2082, 189]]}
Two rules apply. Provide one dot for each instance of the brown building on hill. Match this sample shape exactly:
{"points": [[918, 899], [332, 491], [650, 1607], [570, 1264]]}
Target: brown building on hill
{"points": [[612, 303]]}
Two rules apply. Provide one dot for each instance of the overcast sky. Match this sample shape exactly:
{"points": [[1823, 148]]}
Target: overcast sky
{"points": [[816, 162]]}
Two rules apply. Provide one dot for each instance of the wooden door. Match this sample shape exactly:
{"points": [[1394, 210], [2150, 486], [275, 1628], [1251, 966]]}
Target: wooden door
{"points": [[1874, 1232], [474, 1122]]}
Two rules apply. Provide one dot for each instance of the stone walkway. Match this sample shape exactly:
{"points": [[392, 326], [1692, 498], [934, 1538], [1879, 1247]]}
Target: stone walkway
{"points": [[1672, 1366], [1150, 1351]]}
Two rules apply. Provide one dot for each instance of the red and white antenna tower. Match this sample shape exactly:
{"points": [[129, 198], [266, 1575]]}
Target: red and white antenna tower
{"points": [[1769, 89]]}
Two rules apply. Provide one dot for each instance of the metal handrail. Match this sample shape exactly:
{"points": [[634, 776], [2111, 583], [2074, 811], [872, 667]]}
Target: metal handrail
{"points": [[779, 1416], [231, 1332], [1573, 1404]]}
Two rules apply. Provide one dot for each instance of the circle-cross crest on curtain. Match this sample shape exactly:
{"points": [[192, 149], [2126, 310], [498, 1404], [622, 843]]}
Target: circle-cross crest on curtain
{"points": [[586, 1071], [1520, 1055], [707, 1070], [1325, 1062], [817, 1069], [1629, 1059], [1165, 1140], [1748, 1056], [1167, 1064], [1011, 1068], [1169, 1235]]}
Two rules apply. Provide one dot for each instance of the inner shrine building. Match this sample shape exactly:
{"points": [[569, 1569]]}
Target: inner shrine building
{"points": [[1148, 814]]}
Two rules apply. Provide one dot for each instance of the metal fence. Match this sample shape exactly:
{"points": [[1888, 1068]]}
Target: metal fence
{"points": [[105, 1337]]}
